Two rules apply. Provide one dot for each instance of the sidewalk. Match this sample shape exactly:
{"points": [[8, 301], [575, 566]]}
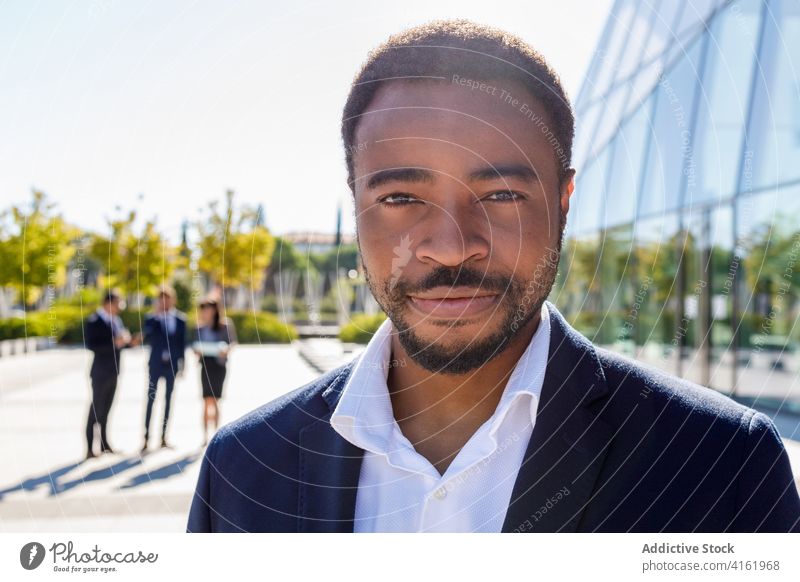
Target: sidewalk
{"points": [[44, 398], [46, 486]]}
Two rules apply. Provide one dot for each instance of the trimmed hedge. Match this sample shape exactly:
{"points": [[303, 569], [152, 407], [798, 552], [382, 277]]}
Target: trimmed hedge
{"points": [[56, 322], [261, 328], [361, 327], [64, 323]]}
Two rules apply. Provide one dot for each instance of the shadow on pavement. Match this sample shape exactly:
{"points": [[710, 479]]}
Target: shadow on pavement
{"points": [[98, 474], [49, 480], [165, 472], [55, 486]]}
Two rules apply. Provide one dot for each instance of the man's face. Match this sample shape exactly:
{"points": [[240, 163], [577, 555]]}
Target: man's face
{"points": [[459, 215], [114, 306], [165, 302]]}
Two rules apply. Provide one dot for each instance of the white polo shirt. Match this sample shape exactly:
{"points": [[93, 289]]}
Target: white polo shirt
{"points": [[399, 490]]}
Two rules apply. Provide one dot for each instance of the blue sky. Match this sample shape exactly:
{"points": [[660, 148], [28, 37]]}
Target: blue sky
{"points": [[162, 106]]}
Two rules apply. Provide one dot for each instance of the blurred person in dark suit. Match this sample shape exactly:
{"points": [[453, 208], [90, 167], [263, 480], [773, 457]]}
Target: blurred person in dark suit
{"points": [[106, 336], [165, 333]]}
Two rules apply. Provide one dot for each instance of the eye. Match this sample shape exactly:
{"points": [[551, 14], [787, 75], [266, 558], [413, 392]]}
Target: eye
{"points": [[397, 199], [505, 196]]}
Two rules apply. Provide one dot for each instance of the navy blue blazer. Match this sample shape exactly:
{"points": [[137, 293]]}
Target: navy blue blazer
{"points": [[159, 340], [616, 447], [99, 339]]}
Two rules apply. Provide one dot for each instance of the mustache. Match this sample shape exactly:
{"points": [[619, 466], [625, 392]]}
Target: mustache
{"points": [[452, 277]]}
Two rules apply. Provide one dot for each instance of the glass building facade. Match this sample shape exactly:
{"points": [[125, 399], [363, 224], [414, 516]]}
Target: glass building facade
{"points": [[682, 246]]}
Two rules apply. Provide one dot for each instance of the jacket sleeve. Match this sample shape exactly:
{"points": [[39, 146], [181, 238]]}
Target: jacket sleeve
{"points": [[149, 330], [767, 499], [182, 338], [200, 511], [181, 329]]}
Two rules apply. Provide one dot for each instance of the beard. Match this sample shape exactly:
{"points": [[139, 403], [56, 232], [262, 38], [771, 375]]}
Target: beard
{"points": [[520, 301]]}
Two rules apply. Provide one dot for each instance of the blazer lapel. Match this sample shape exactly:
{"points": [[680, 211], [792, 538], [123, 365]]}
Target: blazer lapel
{"points": [[329, 471], [569, 441]]}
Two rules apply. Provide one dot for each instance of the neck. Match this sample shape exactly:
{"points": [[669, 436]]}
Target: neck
{"points": [[439, 412]]}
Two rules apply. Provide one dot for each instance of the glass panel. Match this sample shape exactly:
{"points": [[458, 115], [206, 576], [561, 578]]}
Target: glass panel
{"points": [[724, 103], [638, 33], [655, 296], [693, 323], [769, 301], [695, 12], [620, 19], [708, 286], [609, 119], [653, 59], [585, 124], [626, 169], [598, 58], [690, 26], [663, 31], [580, 294], [643, 85], [616, 325], [586, 201], [722, 271], [774, 135], [671, 139]]}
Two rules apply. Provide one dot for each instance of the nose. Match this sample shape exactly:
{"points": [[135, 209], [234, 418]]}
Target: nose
{"points": [[454, 235]]}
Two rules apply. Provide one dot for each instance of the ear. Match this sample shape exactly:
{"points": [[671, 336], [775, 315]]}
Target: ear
{"points": [[565, 190]]}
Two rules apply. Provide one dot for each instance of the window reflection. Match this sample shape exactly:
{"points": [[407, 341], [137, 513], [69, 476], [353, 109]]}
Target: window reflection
{"points": [[683, 241], [774, 132], [724, 102], [769, 241]]}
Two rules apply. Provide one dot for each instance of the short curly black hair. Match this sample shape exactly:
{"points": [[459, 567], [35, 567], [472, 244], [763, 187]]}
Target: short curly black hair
{"points": [[444, 48]]}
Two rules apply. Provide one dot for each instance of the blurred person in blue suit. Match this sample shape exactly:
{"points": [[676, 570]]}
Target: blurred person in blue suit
{"points": [[165, 333]]}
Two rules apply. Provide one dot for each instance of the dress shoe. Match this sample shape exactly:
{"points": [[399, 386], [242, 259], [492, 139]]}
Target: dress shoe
{"points": [[108, 450], [90, 455]]}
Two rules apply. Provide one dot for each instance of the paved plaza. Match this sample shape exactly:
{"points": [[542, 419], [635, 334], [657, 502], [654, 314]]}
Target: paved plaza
{"points": [[45, 485]]}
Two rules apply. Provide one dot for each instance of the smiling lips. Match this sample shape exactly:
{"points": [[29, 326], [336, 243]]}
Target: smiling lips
{"points": [[453, 303]]}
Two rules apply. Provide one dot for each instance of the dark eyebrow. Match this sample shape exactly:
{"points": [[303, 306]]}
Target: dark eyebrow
{"points": [[520, 171], [381, 177]]}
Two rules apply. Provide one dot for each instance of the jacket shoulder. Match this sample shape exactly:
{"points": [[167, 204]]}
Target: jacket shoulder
{"points": [[281, 420], [688, 458], [674, 396], [250, 475]]}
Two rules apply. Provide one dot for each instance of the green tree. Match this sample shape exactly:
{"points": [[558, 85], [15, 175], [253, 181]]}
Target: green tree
{"points": [[771, 257], [134, 263], [286, 257], [235, 248], [343, 257], [35, 248]]}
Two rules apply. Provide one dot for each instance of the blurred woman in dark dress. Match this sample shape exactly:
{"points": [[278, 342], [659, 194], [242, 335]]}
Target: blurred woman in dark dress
{"points": [[214, 338]]}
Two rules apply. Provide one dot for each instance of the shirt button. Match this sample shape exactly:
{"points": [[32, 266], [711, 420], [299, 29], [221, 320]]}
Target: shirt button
{"points": [[440, 493]]}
